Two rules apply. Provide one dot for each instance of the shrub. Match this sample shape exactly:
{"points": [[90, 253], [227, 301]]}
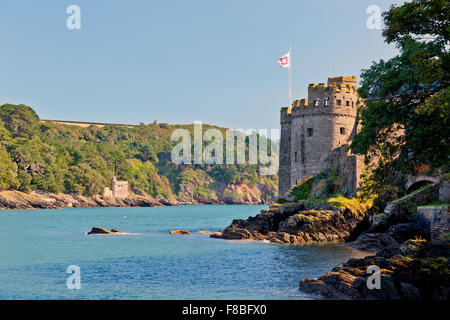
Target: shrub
{"points": [[301, 191]]}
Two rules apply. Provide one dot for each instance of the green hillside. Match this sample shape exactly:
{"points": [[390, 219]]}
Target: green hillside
{"points": [[62, 158]]}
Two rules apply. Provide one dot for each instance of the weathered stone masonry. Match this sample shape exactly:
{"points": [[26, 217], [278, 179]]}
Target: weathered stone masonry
{"points": [[119, 189], [312, 129], [437, 220]]}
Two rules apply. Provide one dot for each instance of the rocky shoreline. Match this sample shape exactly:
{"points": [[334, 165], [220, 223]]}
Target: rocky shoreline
{"points": [[397, 241], [332, 220], [12, 199], [413, 265], [415, 270]]}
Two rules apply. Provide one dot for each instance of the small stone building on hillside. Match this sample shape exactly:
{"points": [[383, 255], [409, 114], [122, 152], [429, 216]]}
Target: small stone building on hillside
{"points": [[119, 189]]}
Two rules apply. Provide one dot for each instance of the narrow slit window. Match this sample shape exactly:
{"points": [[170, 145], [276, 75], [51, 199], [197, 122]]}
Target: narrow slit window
{"points": [[309, 132]]}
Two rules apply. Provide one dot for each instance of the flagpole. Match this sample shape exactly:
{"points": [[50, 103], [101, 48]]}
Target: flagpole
{"points": [[290, 76]]}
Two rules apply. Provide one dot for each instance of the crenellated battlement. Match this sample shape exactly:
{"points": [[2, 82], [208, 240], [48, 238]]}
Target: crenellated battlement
{"points": [[335, 96], [300, 103], [343, 79]]}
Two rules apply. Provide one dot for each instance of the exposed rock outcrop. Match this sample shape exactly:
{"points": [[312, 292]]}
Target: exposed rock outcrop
{"points": [[208, 232], [414, 270], [411, 266], [398, 223], [97, 230], [337, 219], [11, 199], [183, 232]]}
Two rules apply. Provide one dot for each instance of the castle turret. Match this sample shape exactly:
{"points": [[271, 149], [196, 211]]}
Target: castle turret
{"points": [[315, 127], [119, 189]]}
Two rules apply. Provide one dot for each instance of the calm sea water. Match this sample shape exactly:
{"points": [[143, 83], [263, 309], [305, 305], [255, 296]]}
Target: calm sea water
{"points": [[37, 246]]}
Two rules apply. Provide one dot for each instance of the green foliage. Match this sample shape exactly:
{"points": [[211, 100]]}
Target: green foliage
{"points": [[354, 205], [301, 191], [20, 120], [430, 265], [445, 237], [412, 211], [321, 186], [56, 157], [233, 196], [405, 120], [8, 170], [281, 200], [417, 21]]}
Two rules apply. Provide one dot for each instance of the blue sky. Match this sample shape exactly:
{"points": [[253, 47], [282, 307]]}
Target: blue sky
{"points": [[179, 61]]}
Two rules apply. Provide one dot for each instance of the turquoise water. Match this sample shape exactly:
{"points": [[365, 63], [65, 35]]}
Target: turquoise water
{"points": [[37, 246]]}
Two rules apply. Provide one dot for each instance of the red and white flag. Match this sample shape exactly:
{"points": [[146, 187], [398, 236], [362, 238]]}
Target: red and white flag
{"points": [[285, 60]]}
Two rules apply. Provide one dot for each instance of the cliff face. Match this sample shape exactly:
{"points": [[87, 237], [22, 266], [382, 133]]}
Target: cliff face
{"points": [[198, 186], [258, 193], [337, 219]]}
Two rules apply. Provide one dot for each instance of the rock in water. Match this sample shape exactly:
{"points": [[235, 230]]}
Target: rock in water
{"points": [[97, 230], [183, 232], [205, 232], [233, 233]]}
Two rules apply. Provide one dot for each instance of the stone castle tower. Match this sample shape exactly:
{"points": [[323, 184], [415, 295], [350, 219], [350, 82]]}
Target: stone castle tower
{"points": [[119, 189], [313, 129]]}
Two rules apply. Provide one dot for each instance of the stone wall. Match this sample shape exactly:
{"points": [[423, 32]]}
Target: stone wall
{"points": [[284, 171], [416, 198], [107, 192], [119, 188], [346, 165], [437, 219], [444, 191]]}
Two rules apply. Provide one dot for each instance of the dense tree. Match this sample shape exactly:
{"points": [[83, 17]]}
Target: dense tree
{"points": [[20, 120], [8, 170], [405, 119], [60, 158]]}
